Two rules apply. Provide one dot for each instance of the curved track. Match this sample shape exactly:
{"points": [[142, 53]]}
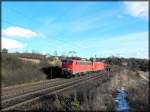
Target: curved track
{"points": [[6, 94], [9, 103], [11, 88]]}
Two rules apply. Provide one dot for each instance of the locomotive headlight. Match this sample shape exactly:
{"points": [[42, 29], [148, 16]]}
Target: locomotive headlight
{"points": [[67, 69]]}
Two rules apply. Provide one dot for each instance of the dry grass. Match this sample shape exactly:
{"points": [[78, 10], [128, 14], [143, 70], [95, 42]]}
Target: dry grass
{"points": [[104, 94], [136, 87], [55, 63], [31, 60], [99, 95], [15, 71]]}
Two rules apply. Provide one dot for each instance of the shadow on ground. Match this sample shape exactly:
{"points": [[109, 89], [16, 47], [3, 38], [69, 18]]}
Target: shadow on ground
{"points": [[52, 72], [39, 110]]}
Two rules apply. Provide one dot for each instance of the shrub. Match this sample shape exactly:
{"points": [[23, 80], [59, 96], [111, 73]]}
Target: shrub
{"points": [[15, 71], [75, 104]]}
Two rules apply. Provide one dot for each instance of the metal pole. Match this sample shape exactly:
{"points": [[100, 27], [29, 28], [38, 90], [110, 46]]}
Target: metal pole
{"points": [[108, 73], [51, 72], [108, 70]]}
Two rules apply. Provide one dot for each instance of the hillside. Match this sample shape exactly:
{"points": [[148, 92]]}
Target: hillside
{"points": [[16, 71], [18, 68]]}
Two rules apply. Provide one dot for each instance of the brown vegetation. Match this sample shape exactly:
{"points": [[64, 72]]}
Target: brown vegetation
{"points": [[15, 71], [18, 70], [30, 60], [99, 95], [136, 87], [93, 96]]}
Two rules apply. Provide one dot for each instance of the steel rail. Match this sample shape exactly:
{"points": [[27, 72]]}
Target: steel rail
{"points": [[29, 88], [42, 92], [11, 88]]}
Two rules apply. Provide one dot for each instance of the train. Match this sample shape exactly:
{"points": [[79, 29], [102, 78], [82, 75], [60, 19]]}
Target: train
{"points": [[74, 67]]}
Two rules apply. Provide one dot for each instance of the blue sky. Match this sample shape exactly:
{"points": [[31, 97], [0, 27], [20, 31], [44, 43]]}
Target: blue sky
{"points": [[89, 28]]}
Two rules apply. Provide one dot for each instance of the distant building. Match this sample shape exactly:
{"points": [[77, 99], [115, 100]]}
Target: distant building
{"points": [[124, 63]]}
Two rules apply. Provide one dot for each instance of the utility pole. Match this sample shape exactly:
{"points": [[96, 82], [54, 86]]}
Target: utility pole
{"points": [[95, 57], [108, 71]]}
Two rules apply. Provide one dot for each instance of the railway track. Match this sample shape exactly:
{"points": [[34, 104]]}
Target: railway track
{"points": [[24, 98], [15, 91]]}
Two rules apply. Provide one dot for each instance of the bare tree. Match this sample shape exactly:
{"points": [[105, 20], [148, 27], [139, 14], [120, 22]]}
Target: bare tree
{"points": [[55, 53], [72, 53], [4, 50]]}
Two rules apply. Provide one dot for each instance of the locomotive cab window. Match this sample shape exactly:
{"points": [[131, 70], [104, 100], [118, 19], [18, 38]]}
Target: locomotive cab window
{"points": [[83, 63], [67, 62]]}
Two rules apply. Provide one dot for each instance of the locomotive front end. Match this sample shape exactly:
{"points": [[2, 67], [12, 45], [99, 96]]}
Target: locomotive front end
{"points": [[67, 66]]}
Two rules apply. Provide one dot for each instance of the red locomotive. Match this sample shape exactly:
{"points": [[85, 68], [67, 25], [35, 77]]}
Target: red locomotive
{"points": [[72, 67]]}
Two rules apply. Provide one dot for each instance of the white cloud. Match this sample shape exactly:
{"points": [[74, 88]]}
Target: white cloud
{"points": [[137, 9], [18, 32], [44, 52], [11, 44]]}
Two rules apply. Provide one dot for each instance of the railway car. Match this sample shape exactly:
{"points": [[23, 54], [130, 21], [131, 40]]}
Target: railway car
{"points": [[72, 67], [82, 66], [98, 66]]}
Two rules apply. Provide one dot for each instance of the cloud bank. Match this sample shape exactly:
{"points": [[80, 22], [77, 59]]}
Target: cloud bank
{"points": [[18, 32], [11, 44], [137, 9], [11, 34]]}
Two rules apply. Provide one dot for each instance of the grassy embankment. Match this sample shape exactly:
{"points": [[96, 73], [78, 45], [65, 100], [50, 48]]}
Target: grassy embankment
{"points": [[92, 98], [101, 96], [16, 71]]}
